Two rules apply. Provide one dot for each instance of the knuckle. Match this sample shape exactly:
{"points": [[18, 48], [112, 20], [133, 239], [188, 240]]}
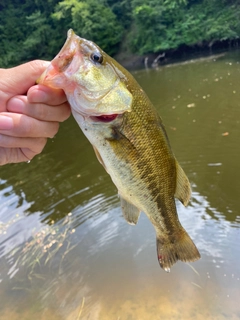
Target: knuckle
{"points": [[42, 112], [38, 64], [3, 157], [39, 145], [54, 129], [28, 128], [66, 112], [26, 154], [2, 141]]}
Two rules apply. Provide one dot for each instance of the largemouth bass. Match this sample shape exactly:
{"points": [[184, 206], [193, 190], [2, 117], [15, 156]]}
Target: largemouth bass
{"points": [[129, 140]]}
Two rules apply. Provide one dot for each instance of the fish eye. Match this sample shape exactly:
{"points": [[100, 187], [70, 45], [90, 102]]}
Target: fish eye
{"points": [[97, 57]]}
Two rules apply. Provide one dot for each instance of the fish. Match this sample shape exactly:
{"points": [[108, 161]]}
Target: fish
{"points": [[129, 140]]}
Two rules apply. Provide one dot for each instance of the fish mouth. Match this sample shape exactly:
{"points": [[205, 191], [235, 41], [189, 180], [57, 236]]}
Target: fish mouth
{"points": [[105, 118], [67, 71]]}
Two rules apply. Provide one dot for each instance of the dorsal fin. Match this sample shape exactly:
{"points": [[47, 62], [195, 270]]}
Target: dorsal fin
{"points": [[183, 188], [130, 212]]}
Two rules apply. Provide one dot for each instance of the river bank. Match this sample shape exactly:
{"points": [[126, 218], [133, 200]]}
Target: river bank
{"points": [[133, 61]]}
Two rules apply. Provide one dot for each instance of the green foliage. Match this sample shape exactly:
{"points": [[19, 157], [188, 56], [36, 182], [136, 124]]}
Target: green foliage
{"points": [[92, 19], [122, 10], [33, 29], [11, 35], [156, 25], [27, 31], [163, 25]]}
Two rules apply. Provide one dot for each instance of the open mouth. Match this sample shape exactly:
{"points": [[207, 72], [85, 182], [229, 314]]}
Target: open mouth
{"points": [[105, 118]]}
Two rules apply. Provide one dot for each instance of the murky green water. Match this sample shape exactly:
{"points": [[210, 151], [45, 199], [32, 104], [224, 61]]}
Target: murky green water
{"points": [[67, 253]]}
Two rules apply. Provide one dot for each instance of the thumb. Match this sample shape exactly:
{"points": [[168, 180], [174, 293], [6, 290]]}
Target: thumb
{"points": [[21, 78]]}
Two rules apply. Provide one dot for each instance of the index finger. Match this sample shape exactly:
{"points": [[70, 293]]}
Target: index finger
{"points": [[19, 79]]}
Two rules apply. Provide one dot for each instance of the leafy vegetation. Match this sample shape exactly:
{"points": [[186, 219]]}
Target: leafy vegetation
{"points": [[37, 28], [93, 20]]}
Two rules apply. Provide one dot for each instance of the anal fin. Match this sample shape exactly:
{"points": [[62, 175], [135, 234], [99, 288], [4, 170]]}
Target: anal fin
{"points": [[130, 212], [183, 188]]}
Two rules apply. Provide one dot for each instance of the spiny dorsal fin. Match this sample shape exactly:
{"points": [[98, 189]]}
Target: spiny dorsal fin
{"points": [[183, 188], [130, 212]]}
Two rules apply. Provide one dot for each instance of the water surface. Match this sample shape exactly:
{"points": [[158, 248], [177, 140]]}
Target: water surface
{"points": [[67, 253]]}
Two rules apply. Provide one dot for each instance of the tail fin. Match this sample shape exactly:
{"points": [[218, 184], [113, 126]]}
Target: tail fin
{"points": [[180, 247]]}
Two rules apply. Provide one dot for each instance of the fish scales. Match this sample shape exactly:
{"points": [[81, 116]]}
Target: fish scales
{"points": [[129, 140], [139, 143]]}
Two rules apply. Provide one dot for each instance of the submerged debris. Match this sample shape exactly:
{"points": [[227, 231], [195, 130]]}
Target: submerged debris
{"points": [[44, 244], [225, 134]]}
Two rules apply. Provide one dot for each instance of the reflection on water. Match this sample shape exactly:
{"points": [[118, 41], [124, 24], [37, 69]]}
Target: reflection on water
{"points": [[67, 253]]}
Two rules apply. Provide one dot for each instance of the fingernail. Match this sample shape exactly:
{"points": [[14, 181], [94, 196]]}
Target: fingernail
{"points": [[16, 105], [6, 123]]}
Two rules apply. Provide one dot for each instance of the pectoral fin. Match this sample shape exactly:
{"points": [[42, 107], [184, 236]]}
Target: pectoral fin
{"points": [[130, 212], [99, 157], [183, 188]]}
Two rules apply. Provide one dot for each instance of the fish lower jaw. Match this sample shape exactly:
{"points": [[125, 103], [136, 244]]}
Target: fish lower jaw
{"points": [[104, 118], [95, 116], [98, 118]]}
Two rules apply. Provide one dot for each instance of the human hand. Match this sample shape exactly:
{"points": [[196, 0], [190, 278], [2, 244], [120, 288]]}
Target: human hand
{"points": [[29, 113]]}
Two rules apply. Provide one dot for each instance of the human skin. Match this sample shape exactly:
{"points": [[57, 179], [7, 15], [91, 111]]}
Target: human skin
{"points": [[29, 113]]}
